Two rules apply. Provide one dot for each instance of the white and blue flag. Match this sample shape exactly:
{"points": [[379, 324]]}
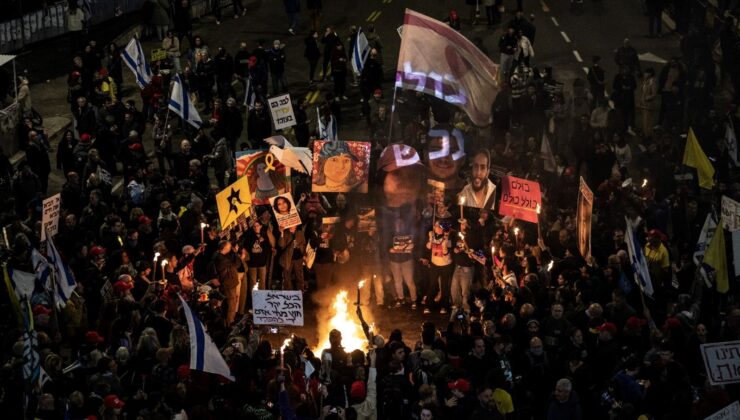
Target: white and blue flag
{"points": [[638, 261], [327, 131], [181, 105], [133, 56], [249, 95], [360, 52], [64, 279], [204, 355]]}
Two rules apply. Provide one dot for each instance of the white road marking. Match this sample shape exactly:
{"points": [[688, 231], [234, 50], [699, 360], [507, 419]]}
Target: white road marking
{"points": [[578, 56], [585, 70], [565, 37], [554, 21]]}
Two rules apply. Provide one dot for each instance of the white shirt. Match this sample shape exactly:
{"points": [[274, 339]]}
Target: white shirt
{"points": [[470, 196]]}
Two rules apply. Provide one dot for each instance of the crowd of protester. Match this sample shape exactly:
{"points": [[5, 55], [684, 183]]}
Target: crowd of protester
{"points": [[531, 329]]}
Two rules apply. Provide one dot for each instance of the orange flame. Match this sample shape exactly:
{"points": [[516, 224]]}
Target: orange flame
{"points": [[340, 319]]}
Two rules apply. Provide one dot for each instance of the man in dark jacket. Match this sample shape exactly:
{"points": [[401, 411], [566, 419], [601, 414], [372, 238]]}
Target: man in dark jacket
{"points": [[276, 60], [565, 404], [330, 41], [292, 8], [226, 263], [232, 123], [84, 115], [258, 124], [224, 69], [38, 159], [486, 408]]}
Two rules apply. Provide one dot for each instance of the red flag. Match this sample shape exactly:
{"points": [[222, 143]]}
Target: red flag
{"points": [[437, 60]]}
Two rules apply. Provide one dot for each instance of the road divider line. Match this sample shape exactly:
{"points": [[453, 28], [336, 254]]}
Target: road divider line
{"points": [[545, 8], [585, 70], [554, 21], [377, 16], [578, 56], [372, 15], [315, 96], [565, 37]]}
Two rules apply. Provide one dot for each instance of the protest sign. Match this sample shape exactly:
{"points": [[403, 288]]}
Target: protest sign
{"points": [[585, 207], [282, 111], [519, 198], [158, 54], [277, 307], [731, 412], [340, 166], [50, 216], [233, 201], [730, 214], [722, 362], [266, 176], [285, 211], [366, 219]]}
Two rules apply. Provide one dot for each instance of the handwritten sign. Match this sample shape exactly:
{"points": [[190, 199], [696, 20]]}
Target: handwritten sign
{"points": [[722, 361], [730, 214], [519, 198], [158, 55], [731, 412], [277, 307], [50, 216], [282, 111]]}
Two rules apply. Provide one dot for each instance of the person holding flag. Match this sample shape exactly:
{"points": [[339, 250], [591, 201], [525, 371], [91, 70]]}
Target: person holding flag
{"points": [[135, 59], [180, 103]]}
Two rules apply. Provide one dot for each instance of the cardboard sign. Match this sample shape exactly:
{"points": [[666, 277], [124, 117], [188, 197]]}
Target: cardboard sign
{"points": [[519, 198], [285, 211], [731, 412], [722, 362], [585, 209], [282, 111], [730, 214], [233, 201], [50, 216], [277, 307], [158, 55], [266, 179]]}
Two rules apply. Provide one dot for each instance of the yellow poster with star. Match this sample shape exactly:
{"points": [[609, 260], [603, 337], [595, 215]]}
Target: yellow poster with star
{"points": [[233, 201]]}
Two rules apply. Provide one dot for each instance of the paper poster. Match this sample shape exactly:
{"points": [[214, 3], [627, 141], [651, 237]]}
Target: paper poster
{"points": [[731, 412], [282, 111], [480, 192], [50, 216], [722, 362], [730, 214], [585, 207], [277, 307], [340, 166], [520, 198], [285, 211], [266, 176], [366, 219], [444, 155], [233, 201]]}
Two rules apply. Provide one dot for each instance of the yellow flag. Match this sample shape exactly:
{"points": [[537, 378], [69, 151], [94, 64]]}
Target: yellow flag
{"points": [[233, 201], [12, 296], [694, 156], [716, 258]]}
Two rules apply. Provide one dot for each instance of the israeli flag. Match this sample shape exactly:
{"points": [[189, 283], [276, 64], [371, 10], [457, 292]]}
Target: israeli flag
{"points": [[65, 281], [360, 52], [204, 355], [327, 131], [181, 105], [249, 95], [133, 56], [638, 262]]}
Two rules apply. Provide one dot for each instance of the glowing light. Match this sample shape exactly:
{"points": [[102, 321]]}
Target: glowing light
{"points": [[286, 343], [644, 183], [516, 231], [361, 284], [538, 209], [156, 256], [352, 336], [256, 286], [164, 263], [203, 225], [549, 266], [462, 200]]}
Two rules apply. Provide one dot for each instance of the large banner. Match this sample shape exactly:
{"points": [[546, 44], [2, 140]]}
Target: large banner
{"points": [[50, 216], [277, 307], [585, 207], [722, 361], [233, 201], [340, 166], [267, 177], [520, 198], [286, 213], [440, 61]]}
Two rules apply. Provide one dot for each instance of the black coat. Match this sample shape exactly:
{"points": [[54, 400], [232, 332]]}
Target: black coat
{"points": [[312, 51], [259, 125]]}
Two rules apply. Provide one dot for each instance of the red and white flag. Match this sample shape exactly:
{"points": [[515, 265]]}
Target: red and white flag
{"points": [[438, 60]]}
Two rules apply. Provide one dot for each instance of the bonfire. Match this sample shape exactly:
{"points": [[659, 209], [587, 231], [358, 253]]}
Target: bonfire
{"points": [[340, 318]]}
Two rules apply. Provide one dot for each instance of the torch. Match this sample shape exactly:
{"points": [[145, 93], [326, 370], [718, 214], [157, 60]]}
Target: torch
{"points": [[359, 286], [516, 237], [286, 343], [539, 230], [164, 263], [154, 267], [202, 226]]}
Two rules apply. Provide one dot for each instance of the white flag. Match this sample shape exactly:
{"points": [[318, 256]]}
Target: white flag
{"points": [[64, 279], [548, 159], [249, 95], [360, 52], [133, 56], [204, 355], [705, 236], [181, 105], [731, 141], [638, 261], [327, 131]]}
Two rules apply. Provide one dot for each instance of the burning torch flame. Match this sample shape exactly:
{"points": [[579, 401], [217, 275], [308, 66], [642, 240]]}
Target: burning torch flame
{"points": [[462, 200], [256, 286], [644, 183], [286, 343], [493, 250], [516, 231], [353, 337], [203, 225], [156, 256], [361, 284], [538, 209], [549, 266], [164, 263]]}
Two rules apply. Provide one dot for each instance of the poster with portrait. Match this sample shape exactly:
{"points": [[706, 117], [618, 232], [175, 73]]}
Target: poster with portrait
{"points": [[285, 211], [585, 207], [340, 166], [266, 176], [366, 219], [445, 156]]}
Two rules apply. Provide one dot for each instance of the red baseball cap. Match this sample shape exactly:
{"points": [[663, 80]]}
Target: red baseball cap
{"points": [[460, 385], [607, 326], [145, 220], [112, 401], [122, 287], [93, 337], [357, 390], [378, 92], [41, 310], [97, 251], [634, 323]]}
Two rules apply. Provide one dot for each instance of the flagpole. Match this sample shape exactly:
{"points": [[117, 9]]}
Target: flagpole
{"points": [[393, 112], [53, 282]]}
